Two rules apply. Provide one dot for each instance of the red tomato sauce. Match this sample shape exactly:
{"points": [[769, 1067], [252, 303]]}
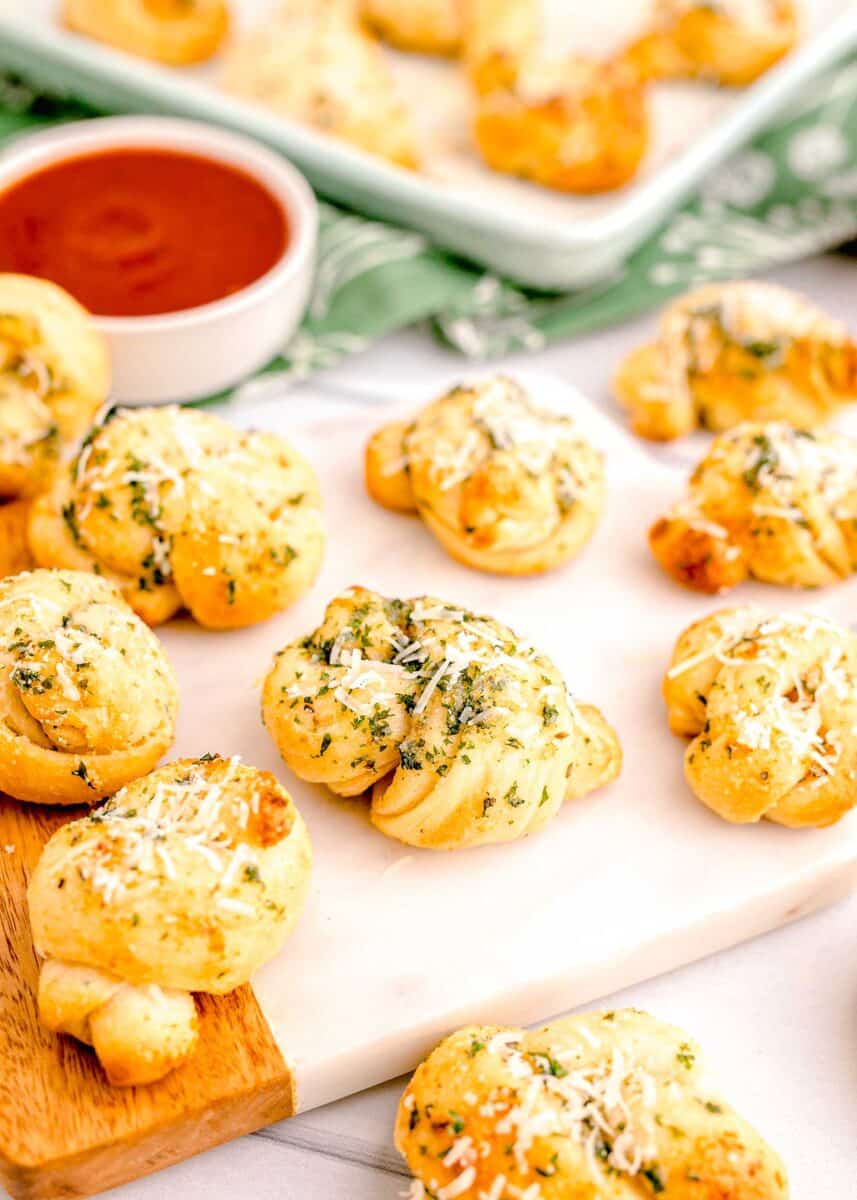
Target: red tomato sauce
{"points": [[135, 232]]}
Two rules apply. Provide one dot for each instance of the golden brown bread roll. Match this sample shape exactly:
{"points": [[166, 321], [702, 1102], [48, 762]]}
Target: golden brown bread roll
{"points": [[767, 502], [88, 698], [140, 1032], [732, 42], [54, 375], [464, 732], [771, 704], [573, 123], [175, 32], [732, 352], [317, 65], [426, 26], [605, 1104], [15, 553], [499, 35], [503, 485], [185, 881], [182, 510]]}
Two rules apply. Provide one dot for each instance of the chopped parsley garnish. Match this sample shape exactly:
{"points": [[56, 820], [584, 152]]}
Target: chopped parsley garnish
{"points": [[408, 758], [379, 723], [546, 1065], [69, 515], [457, 1122], [653, 1174], [141, 510], [685, 1056], [766, 459], [513, 798], [81, 772], [28, 679], [763, 349]]}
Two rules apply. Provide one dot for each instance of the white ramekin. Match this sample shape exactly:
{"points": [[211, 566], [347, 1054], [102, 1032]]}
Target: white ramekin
{"points": [[199, 352]]}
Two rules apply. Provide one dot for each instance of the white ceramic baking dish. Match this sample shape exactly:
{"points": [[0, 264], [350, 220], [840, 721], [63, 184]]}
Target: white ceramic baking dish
{"points": [[533, 236]]}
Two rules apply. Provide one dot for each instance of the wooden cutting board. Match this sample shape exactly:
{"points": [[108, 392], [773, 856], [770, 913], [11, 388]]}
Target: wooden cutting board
{"points": [[63, 1130], [398, 946]]}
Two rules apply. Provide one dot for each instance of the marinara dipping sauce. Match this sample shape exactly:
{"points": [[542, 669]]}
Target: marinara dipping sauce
{"points": [[136, 232]]}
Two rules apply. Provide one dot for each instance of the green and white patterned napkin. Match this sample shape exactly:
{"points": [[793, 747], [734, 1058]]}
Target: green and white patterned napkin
{"points": [[790, 194]]}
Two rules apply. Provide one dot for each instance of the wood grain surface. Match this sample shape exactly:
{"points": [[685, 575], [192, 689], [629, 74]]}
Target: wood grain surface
{"points": [[63, 1130]]}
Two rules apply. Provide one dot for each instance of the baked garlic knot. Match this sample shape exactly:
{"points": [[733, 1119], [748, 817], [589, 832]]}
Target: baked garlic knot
{"points": [[606, 1104], [503, 485], [88, 698], [575, 124], [54, 375], [182, 510], [771, 704], [188, 880], [463, 731], [316, 64], [426, 26], [767, 502], [730, 42], [733, 352], [175, 32]]}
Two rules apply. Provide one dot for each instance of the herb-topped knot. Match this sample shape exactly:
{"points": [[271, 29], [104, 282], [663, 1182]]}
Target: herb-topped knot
{"points": [[767, 502], [464, 733], [182, 510], [504, 485]]}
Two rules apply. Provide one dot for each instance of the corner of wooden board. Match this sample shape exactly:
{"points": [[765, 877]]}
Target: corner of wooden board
{"points": [[64, 1131]]}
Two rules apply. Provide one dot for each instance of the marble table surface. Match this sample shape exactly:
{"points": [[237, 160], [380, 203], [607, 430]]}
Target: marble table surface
{"points": [[776, 1016]]}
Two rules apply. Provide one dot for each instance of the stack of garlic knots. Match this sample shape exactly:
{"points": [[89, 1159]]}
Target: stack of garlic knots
{"points": [[770, 702], [88, 698], [504, 485], [606, 1104], [182, 510], [54, 375], [185, 881], [463, 731], [730, 42], [768, 502], [733, 352]]}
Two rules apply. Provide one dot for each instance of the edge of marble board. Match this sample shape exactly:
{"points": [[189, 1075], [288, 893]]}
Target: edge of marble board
{"points": [[810, 889]]}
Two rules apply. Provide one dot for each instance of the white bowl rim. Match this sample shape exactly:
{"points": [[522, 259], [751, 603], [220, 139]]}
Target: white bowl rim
{"points": [[31, 152]]}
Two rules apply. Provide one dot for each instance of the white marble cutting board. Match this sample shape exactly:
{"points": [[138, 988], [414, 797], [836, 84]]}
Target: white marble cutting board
{"points": [[397, 946]]}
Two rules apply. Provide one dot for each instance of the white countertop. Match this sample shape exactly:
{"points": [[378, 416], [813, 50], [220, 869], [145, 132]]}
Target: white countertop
{"points": [[777, 1016]]}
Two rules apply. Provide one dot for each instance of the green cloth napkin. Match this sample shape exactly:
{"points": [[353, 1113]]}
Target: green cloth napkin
{"points": [[790, 194]]}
